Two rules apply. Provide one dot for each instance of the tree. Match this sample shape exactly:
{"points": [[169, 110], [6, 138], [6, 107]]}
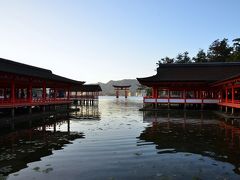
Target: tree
{"points": [[167, 60], [219, 51], [236, 44], [236, 50], [201, 57], [183, 58]]}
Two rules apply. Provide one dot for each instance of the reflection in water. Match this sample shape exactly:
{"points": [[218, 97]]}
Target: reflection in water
{"points": [[169, 145], [22, 146], [196, 133], [87, 112]]}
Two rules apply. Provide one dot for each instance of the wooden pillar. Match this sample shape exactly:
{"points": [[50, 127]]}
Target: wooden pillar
{"points": [[184, 120], [13, 91], [226, 99], [54, 127], [55, 94], [30, 92], [202, 97], [221, 95], [13, 112], [30, 109], [117, 93], [184, 96], [126, 93], [233, 99], [43, 108], [168, 98], [153, 92], [5, 93], [44, 95], [68, 126], [155, 95], [44, 90], [68, 90]]}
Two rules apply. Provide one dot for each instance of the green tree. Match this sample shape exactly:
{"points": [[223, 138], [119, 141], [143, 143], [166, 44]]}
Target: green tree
{"points": [[219, 51], [201, 57], [167, 60], [236, 50], [183, 58]]}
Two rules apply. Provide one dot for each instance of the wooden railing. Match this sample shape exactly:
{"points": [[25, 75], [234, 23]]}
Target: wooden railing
{"points": [[32, 102], [84, 97], [230, 101], [176, 100]]}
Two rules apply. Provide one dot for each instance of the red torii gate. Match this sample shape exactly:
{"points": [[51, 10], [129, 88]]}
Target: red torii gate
{"points": [[118, 88]]}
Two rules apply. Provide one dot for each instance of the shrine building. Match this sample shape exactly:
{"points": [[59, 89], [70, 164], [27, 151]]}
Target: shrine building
{"points": [[25, 86], [197, 83]]}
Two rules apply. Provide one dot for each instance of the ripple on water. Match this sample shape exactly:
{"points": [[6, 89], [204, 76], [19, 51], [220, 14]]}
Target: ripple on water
{"points": [[127, 144]]}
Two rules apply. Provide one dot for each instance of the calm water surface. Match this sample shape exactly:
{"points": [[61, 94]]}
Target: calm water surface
{"points": [[116, 141]]}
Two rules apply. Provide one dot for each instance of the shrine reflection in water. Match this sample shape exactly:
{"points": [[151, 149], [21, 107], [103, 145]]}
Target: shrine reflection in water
{"points": [[193, 132], [127, 144], [87, 112], [41, 137]]}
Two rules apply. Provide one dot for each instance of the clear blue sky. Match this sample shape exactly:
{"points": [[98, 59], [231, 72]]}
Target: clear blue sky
{"points": [[100, 40]]}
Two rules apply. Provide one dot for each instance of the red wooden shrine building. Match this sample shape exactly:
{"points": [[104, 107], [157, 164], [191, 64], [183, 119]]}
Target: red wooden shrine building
{"points": [[23, 85], [86, 94], [205, 83]]}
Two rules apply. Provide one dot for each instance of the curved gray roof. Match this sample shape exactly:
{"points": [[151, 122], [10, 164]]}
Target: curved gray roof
{"points": [[202, 72], [23, 69], [13, 67], [88, 88]]}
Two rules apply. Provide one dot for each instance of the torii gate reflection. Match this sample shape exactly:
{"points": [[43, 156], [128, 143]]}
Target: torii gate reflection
{"points": [[124, 88]]}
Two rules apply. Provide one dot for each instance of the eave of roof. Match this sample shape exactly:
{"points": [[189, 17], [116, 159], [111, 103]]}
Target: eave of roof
{"points": [[123, 86], [204, 72], [13, 67], [88, 88]]}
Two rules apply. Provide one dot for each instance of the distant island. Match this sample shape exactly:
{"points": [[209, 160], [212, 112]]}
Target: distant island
{"points": [[108, 90]]}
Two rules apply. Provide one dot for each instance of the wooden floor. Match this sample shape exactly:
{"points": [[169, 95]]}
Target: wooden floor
{"points": [[234, 105]]}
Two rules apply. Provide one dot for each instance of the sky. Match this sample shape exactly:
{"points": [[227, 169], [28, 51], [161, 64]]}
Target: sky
{"points": [[102, 40]]}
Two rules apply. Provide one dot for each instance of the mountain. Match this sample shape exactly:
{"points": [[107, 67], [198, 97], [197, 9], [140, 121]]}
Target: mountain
{"points": [[108, 90]]}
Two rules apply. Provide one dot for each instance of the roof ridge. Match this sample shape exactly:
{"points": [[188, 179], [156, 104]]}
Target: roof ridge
{"points": [[7, 61]]}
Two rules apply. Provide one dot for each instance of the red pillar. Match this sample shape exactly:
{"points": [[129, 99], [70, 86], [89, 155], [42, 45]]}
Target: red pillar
{"points": [[5, 93], [30, 92], [117, 93], [68, 97], [54, 93], [126, 92], [168, 98], [233, 94], [44, 90], [226, 90], [184, 95], [221, 95], [154, 92], [13, 90]]}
